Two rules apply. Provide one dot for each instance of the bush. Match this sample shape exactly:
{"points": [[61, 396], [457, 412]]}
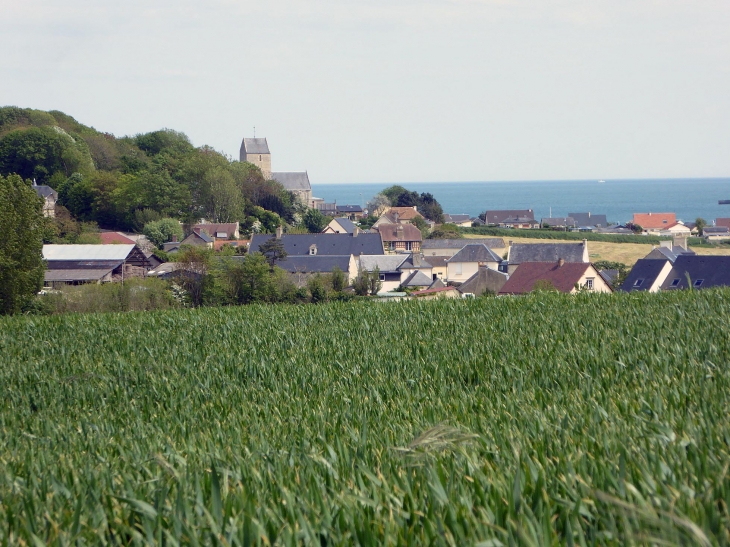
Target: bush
{"points": [[571, 236]]}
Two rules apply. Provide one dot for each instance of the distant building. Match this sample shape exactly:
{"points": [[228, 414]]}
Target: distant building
{"points": [[546, 252], [460, 220], [512, 218], [588, 220], [256, 151], [558, 222], [340, 226], [50, 196], [566, 277], [75, 264]]}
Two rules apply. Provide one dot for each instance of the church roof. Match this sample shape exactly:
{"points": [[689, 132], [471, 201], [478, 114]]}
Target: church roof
{"points": [[293, 181], [255, 146]]}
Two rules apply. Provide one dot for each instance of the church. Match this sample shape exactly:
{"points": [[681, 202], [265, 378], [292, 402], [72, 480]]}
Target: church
{"points": [[256, 151]]}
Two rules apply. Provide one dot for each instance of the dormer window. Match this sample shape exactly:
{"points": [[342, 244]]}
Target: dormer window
{"points": [[664, 221], [698, 283], [675, 282], [313, 250]]}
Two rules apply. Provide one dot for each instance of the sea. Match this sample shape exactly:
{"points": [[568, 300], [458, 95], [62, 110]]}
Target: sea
{"points": [[618, 199]]}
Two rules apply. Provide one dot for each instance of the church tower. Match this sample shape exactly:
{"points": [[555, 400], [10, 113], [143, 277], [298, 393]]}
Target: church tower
{"points": [[256, 151]]}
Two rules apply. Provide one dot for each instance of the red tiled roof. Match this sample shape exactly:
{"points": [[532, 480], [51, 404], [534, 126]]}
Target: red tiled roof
{"points": [[563, 278], [109, 238], [722, 222], [655, 220], [389, 232], [405, 213]]}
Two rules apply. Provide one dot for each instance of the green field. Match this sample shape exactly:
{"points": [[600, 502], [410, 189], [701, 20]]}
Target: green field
{"points": [[548, 419]]}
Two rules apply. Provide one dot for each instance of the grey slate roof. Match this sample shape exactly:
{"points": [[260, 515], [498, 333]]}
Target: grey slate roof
{"points": [[83, 274], [662, 253], [202, 235], [545, 252], [485, 279], [327, 244], [491, 242], [559, 221], [346, 224], [45, 191], [293, 181], [349, 209], [588, 219], [255, 146], [495, 217], [715, 230], [408, 263], [437, 284], [647, 270], [87, 252], [314, 263], [455, 218], [438, 261], [714, 271], [384, 263], [417, 279], [615, 230], [475, 253]]}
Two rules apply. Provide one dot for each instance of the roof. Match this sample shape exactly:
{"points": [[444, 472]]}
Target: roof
{"points": [[609, 276], [645, 272], [546, 252], [563, 278], [84, 274], [45, 191], [293, 181], [327, 244], [715, 230], [722, 222], [475, 253], [346, 224], [314, 263], [713, 271], [438, 261], [615, 230], [435, 290], [485, 279], [87, 252], [655, 220], [437, 283], [408, 263], [455, 218], [384, 263], [588, 219], [164, 268], [491, 242], [559, 221], [349, 209], [497, 216], [113, 238], [255, 146], [672, 253], [218, 245], [201, 235], [213, 228], [399, 232], [417, 279], [405, 213]]}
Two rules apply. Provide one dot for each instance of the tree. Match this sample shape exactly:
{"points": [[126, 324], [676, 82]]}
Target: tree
{"points": [[378, 205], [430, 208], [194, 265], [446, 231], [225, 200], [544, 285], [314, 220], [163, 230], [21, 246], [700, 223], [419, 223], [273, 250], [339, 281], [255, 278], [317, 289], [375, 284]]}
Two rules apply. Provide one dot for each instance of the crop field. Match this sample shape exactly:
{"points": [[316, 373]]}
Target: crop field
{"points": [[543, 420]]}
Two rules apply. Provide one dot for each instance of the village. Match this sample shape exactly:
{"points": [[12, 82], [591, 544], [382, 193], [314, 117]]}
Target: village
{"points": [[407, 264]]}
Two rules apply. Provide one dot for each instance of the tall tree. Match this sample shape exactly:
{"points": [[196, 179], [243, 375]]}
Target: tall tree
{"points": [[21, 246], [273, 250]]}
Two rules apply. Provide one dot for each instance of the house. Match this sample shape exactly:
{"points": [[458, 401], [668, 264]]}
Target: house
{"points": [[460, 220], [417, 279], [74, 264], [484, 280], [302, 267], [546, 252], [558, 222], [677, 229], [400, 237], [716, 233], [623, 230], [233, 243], [297, 183], [357, 243], [115, 238], [654, 222], [566, 277], [174, 270], [648, 274], [172, 246], [476, 221], [589, 220], [466, 262], [449, 247], [256, 151], [698, 272], [353, 212], [670, 249], [340, 226], [512, 218], [197, 238], [437, 292], [416, 263], [439, 266], [49, 196], [723, 222], [327, 209], [388, 267], [398, 215], [221, 230]]}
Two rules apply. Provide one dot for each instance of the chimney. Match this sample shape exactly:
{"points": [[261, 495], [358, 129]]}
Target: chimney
{"points": [[174, 239], [561, 262], [355, 231], [416, 259], [680, 241], [509, 244], [399, 233], [279, 232], [395, 216], [585, 242]]}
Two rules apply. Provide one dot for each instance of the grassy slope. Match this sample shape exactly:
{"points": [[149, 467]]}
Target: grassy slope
{"points": [[599, 417]]}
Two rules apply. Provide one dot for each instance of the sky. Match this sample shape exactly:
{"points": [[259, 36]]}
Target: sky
{"points": [[394, 90]]}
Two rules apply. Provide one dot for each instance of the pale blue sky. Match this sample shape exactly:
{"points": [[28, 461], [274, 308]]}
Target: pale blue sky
{"points": [[394, 90]]}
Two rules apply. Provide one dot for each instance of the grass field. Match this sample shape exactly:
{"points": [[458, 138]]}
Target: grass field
{"points": [[628, 253], [543, 420]]}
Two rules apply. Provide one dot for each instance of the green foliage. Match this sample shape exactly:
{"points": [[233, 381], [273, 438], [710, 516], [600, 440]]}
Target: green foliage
{"points": [[317, 290], [700, 223], [570, 236], [22, 228], [446, 231], [314, 221], [273, 251], [163, 230], [420, 423], [338, 279], [367, 283], [544, 285], [427, 205]]}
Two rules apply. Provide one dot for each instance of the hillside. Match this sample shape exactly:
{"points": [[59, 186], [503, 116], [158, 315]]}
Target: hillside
{"points": [[542, 420], [124, 182]]}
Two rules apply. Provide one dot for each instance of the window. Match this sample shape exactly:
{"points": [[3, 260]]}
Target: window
{"points": [[638, 282], [408, 245], [698, 283], [675, 282], [313, 250], [664, 221], [589, 283], [382, 277]]}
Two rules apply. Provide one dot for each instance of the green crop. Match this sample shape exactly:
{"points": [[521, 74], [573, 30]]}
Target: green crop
{"points": [[543, 420]]}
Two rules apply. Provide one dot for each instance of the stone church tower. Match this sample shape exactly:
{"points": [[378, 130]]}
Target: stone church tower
{"points": [[256, 151]]}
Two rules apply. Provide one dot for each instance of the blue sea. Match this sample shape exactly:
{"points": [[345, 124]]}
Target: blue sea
{"points": [[617, 199]]}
